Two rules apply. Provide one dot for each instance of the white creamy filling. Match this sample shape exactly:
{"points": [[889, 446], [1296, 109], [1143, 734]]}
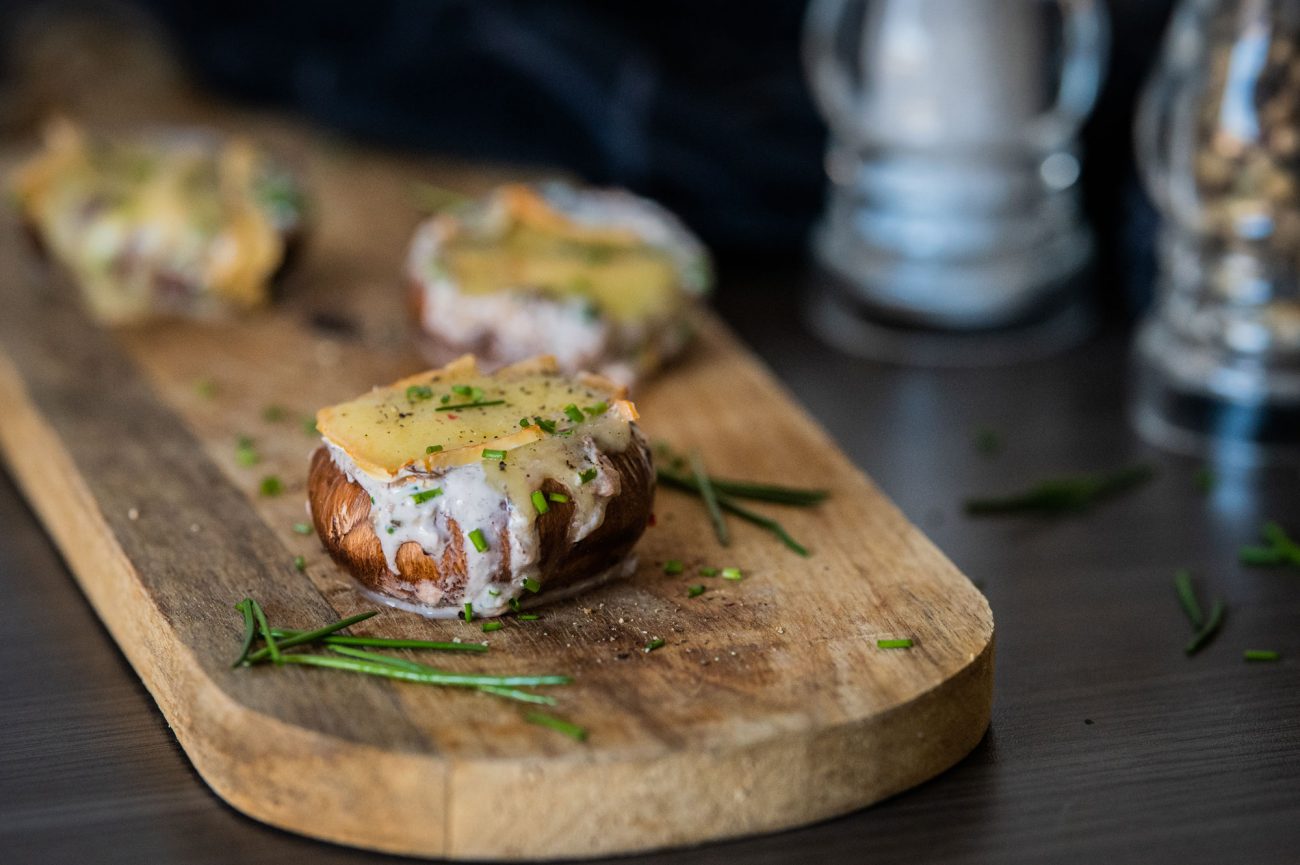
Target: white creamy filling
{"points": [[476, 501]]}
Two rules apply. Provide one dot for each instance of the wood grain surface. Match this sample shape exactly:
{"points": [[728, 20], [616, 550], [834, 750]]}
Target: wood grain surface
{"points": [[769, 706]]}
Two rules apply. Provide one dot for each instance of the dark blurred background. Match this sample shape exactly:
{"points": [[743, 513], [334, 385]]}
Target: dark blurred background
{"points": [[701, 105]]}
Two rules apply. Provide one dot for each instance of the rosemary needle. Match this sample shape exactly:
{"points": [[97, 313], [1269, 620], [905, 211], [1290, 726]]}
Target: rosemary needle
{"points": [[385, 642], [1208, 630], [1187, 596], [307, 636], [250, 629], [428, 676], [272, 648], [710, 498], [568, 728]]}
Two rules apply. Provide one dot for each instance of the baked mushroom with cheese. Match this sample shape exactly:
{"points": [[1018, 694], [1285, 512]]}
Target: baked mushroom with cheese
{"points": [[601, 279], [177, 223], [457, 490]]}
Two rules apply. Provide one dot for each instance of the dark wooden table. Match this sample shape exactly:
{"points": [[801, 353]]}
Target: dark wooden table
{"points": [[1107, 743]]}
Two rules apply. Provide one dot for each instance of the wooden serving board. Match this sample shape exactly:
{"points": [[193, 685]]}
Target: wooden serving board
{"points": [[769, 706]]}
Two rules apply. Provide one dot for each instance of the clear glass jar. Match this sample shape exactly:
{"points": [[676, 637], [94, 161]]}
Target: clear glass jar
{"points": [[1218, 358], [952, 156]]}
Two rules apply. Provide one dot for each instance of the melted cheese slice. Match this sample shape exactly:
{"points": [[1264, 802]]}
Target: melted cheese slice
{"points": [[392, 429], [539, 247]]}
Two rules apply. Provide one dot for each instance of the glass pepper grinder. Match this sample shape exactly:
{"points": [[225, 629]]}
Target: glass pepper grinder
{"points": [[952, 226], [1218, 358]]}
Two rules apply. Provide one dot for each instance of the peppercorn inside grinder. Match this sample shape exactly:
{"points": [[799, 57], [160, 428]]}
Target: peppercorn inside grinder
{"points": [[1217, 361]]}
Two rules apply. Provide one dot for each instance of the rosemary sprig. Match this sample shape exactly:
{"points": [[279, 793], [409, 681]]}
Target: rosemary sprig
{"points": [[727, 503], [710, 498], [306, 636], [1064, 495], [385, 642]]}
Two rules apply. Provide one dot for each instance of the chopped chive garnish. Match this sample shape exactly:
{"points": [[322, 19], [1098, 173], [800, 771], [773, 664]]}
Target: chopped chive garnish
{"points": [[573, 413], [539, 502], [461, 389], [1259, 556], [732, 574], [1208, 630], [482, 404], [469, 612], [446, 398], [730, 505], [433, 449], [1287, 548], [332, 639], [903, 643], [559, 725], [428, 675], [493, 454], [1261, 655], [309, 426], [300, 563], [528, 617], [710, 498], [273, 413], [301, 529], [494, 593], [546, 426], [391, 529], [297, 638], [426, 495], [587, 476], [515, 694], [558, 498], [656, 643], [489, 627], [206, 388], [1187, 597], [250, 629], [245, 454], [708, 572], [1064, 495], [419, 393], [514, 604], [774, 493], [524, 422], [532, 585], [272, 647], [673, 566], [476, 538], [597, 409], [271, 486], [695, 591]]}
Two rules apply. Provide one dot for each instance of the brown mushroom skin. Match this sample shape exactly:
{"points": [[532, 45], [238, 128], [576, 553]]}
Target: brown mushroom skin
{"points": [[340, 510]]}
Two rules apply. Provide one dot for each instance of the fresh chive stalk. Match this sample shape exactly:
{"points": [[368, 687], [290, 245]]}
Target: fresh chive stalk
{"points": [[710, 498], [1187, 597], [559, 725], [302, 637], [558, 498], [1064, 495], [539, 502], [284, 634], [528, 617], [469, 612], [476, 538], [426, 495], [730, 505], [901, 643], [250, 629], [433, 449], [656, 643], [1207, 631], [1261, 655], [489, 627], [272, 647], [479, 404], [493, 454], [428, 676]]}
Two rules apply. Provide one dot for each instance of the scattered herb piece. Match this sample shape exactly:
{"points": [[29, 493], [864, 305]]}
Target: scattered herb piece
{"points": [[558, 498], [271, 486], [494, 593], [514, 604], [1064, 495], [673, 567], [250, 629], [528, 617], [546, 426], [539, 502], [524, 422], [1259, 556], [206, 388], [273, 413], [532, 585], [298, 638], [428, 676], [710, 498], [1281, 549], [1208, 630], [476, 538], [469, 612], [988, 442], [426, 495], [656, 643], [559, 725], [489, 627], [309, 426], [301, 529], [446, 398], [245, 454], [730, 505], [480, 404], [708, 572], [333, 639], [1187, 596], [903, 643], [573, 413], [586, 476], [596, 410], [433, 449], [300, 563], [493, 454], [419, 393], [462, 389], [695, 591], [1261, 655], [732, 574], [272, 647]]}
